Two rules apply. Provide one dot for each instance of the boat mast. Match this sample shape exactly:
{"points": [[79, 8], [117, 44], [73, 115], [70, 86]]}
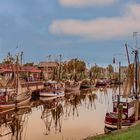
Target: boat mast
{"points": [[60, 73], [119, 82], [18, 90], [136, 76], [17, 73], [128, 59], [136, 67], [21, 58]]}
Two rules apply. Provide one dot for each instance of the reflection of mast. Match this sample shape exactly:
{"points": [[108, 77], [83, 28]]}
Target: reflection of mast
{"points": [[88, 96], [53, 112], [21, 58], [57, 114], [13, 123], [17, 125], [45, 117], [74, 102], [92, 98]]}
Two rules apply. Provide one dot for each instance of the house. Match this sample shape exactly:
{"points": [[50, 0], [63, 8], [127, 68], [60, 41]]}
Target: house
{"points": [[49, 69]]}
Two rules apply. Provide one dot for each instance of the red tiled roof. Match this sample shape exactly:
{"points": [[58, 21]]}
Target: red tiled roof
{"points": [[48, 64], [12, 67]]}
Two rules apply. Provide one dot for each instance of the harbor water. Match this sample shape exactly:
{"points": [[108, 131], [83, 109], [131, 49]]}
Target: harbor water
{"points": [[73, 117]]}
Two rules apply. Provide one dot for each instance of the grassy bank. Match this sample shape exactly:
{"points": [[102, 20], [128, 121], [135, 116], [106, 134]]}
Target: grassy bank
{"points": [[132, 133]]}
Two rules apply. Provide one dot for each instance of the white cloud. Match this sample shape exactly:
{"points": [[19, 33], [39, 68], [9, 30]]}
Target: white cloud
{"points": [[83, 3], [101, 28]]}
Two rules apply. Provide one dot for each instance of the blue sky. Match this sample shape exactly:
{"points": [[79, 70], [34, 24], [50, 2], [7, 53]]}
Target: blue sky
{"points": [[91, 30]]}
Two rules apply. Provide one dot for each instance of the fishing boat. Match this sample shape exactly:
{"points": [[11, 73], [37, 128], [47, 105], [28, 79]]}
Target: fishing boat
{"points": [[52, 94], [14, 98], [101, 83], [53, 89], [111, 119], [85, 84], [72, 86], [129, 101], [18, 97], [45, 99]]}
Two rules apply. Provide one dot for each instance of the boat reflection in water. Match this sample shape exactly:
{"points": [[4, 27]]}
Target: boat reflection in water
{"points": [[88, 97], [52, 114], [12, 123], [56, 110], [71, 104], [75, 116]]}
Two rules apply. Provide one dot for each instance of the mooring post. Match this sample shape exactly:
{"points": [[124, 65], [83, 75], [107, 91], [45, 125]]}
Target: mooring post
{"points": [[136, 109], [120, 111]]}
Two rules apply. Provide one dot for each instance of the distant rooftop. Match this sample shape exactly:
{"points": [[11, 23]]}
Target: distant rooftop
{"points": [[48, 63]]}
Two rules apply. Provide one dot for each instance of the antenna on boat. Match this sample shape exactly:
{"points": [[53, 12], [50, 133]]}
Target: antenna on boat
{"points": [[49, 57], [135, 34], [21, 57]]}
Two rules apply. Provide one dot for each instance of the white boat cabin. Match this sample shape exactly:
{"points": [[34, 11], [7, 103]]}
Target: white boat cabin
{"points": [[128, 105]]}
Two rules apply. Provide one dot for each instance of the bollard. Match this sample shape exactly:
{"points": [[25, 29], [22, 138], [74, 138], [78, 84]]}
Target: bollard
{"points": [[120, 112]]}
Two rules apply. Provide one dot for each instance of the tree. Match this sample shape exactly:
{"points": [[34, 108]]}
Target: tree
{"points": [[74, 68], [75, 65], [96, 72], [110, 70]]}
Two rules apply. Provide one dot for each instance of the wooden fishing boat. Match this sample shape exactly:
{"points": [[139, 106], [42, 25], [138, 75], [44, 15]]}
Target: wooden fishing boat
{"points": [[111, 119], [16, 103], [126, 107], [17, 97], [52, 94], [101, 83], [53, 89], [72, 86], [45, 99], [86, 84]]}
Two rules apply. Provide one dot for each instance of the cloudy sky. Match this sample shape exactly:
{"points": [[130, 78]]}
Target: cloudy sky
{"points": [[91, 30]]}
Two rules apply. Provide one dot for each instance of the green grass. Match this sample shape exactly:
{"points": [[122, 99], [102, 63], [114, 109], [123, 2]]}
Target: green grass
{"points": [[132, 133]]}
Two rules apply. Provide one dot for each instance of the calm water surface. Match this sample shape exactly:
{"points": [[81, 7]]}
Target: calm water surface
{"points": [[73, 117]]}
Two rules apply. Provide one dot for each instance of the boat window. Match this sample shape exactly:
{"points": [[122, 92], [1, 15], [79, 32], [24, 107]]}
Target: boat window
{"points": [[125, 105]]}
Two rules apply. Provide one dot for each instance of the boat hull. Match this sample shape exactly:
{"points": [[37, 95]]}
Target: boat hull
{"points": [[114, 126], [111, 121], [51, 94], [86, 86], [70, 89], [13, 105]]}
